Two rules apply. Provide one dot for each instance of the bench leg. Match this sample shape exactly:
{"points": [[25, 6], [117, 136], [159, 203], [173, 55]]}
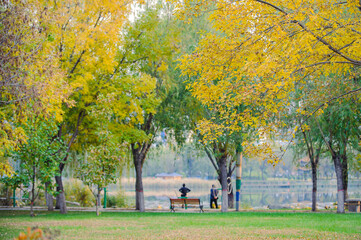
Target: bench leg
{"points": [[172, 209], [201, 208]]}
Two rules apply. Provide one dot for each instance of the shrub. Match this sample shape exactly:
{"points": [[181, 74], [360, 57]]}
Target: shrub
{"points": [[117, 200], [76, 191]]}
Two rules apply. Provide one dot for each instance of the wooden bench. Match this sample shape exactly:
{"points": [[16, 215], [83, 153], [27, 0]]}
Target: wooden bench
{"points": [[185, 202], [354, 205]]}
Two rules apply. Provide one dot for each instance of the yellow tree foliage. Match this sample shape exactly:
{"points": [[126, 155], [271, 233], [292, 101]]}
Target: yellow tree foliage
{"points": [[86, 34], [260, 51], [88, 38], [56, 52], [31, 80]]}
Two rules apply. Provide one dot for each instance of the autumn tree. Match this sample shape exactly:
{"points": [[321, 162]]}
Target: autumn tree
{"points": [[263, 50], [85, 35], [30, 78], [151, 43], [222, 156], [204, 118]]}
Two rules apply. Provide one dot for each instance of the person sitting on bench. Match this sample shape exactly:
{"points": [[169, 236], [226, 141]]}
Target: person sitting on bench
{"points": [[184, 190]]}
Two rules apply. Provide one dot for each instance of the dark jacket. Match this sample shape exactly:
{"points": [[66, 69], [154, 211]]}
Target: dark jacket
{"points": [[184, 191], [214, 193]]}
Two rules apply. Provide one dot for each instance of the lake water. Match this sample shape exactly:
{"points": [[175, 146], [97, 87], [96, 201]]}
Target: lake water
{"points": [[254, 194]]}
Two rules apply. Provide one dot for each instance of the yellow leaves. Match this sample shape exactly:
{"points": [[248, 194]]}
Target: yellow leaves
{"points": [[261, 150], [302, 111], [10, 137], [5, 167], [260, 53], [163, 67], [210, 131], [305, 127], [295, 130]]}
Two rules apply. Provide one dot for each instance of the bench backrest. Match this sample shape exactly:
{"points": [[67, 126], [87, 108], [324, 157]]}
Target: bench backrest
{"points": [[185, 200], [192, 201], [177, 200]]}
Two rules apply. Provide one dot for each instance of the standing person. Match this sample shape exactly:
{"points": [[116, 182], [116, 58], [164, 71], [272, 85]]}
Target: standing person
{"points": [[184, 190], [214, 196]]}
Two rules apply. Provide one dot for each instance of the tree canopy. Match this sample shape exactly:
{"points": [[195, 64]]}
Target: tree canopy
{"points": [[261, 51]]}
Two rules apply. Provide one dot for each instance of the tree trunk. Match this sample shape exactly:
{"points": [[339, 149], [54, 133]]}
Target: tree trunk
{"points": [[139, 195], [49, 197], [32, 192], [340, 188], [223, 176], [345, 175], [139, 154], [98, 201], [314, 186], [32, 200], [60, 198], [230, 191]]}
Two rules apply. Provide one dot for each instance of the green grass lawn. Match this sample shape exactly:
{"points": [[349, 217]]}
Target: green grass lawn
{"points": [[161, 225]]}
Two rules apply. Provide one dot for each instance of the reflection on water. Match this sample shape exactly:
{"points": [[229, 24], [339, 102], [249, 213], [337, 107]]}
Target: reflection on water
{"points": [[253, 195]]}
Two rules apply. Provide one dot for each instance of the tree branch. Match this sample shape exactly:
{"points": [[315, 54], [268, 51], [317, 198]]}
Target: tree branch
{"points": [[273, 6], [326, 43], [77, 62], [332, 99], [211, 158], [325, 140], [323, 63]]}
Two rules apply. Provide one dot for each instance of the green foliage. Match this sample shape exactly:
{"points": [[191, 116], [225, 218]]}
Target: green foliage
{"points": [[117, 200], [14, 181], [76, 191], [102, 163], [39, 156], [40, 200], [150, 48]]}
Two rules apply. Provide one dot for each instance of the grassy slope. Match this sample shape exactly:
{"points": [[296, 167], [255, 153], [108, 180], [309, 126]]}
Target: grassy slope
{"points": [[235, 225]]}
